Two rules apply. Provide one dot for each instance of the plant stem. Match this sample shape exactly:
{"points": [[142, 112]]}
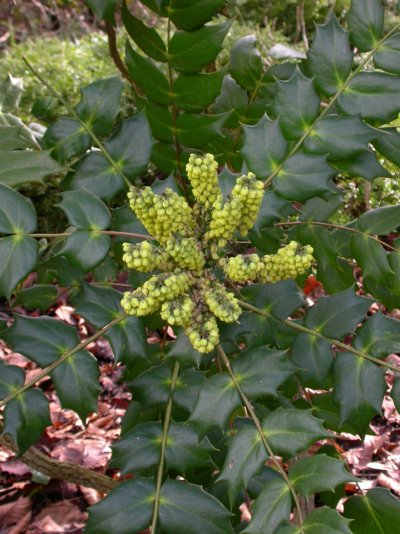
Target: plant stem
{"points": [[315, 333], [107, 232], [160, 472], [61, 360], [84, 125], [112, 47], [354, 73], [260, 430]]}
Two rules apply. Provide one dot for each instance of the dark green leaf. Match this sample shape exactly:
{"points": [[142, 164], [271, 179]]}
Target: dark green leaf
{"points": [[197, 130], [191, 14], [17, 214], [39, 297], [194, 92], [187, 508], [323, 520], [146, 38], [126, 510], [103, 9], [246, 65], [387, 143], [318, 473], [376, 512], [379, 221], [289, 431], [85, 211], [379, 336], [190, 52], [15, 137], [233, 98], [264, 147], [44, 108], [183, 351], [330, 56], [327, 409], [271, 508], [319, 209], [313, 357], [337, 315], [371, 257], [67, 138], [86, 249], [273, 208], [11, 378], [364, 164], [296, 103], [18, 257], [365, 21], [26, 417], [359, 390], [280, 299], [387, 56], [323, 243], [336, 277], [24, 166], [161, 122]]}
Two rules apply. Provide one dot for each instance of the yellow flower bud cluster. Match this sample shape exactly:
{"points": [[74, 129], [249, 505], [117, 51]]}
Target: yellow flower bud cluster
{"points": [[161, 215], [178, 311], [224, 220], [223, 304], [185, 252], [203, 333], [250, 192], [242, 268], [144, 257], [289, 262], [203, 176]]}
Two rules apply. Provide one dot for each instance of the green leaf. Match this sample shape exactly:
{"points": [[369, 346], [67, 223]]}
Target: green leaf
{"points": [[318, 473], [15, 137], [313, 357], [146, 38], [271, 508], [336, 277], [39, 297], [376, 512], [296, 103], [379, 335], [233, 99], [139, 449], [99, 306], [323, 520], [147, 77], [85, 211], [18, 257], [161, 122], [359, 390], [261, 371], [365, 20], [387, 143], [330, 56], [245, 457], [325, 408], [371, 257], [11, 378], [103, 9], [363, 164], [325, 249], [246, 65], [264, 146], [304, 176], [26, 417], [196, 130], [372, 95], [67, 138], [126, 510], [17, 213], [289, 431], [337, 315], [194, 92], [280, 299], [24, 166], [273, 208], [187, 508], [86, 249], [379, 221], [190, 52], [217, 399], [387, 57], [191, 14], [183, 351]]}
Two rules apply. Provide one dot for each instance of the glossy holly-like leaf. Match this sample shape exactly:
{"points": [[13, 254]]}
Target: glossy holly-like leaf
{"points": [[186, 508], [246, 65], [84, 210], [322, 520], [25, 166], [232, 98], [39, 297], [365, 21], [279, 299], [379, 335], [387, 57], [379, 221], [191, 51], [289, 431], [323, 243], [15, 137], [364, 164], [25, 418], [194, 92], [318, 473], [261, 371], [359, 389], [147, 76], [191, 14], [161, 122], [139, 449], [86, 249], [217, 399], [146, 38], [66, 138], [195, 130], [304, 176], [373, 95], [104, 9], [371, 257], [313, 357], [99, 306], [183, 351], [296, 103], [387, 143], [126, 510], [264, 146], [337, 315], [271, 508], [330, 56], [99, 104], [17, 214], [246, 455], [375, 512], [18, 257], [11, 378]]}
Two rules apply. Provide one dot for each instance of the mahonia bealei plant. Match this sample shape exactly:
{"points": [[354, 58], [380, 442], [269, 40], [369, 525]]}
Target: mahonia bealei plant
{"points": [[190, 247]]}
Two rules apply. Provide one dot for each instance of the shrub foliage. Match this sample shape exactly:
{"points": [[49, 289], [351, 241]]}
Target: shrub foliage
{"points": [[213, 424]]}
